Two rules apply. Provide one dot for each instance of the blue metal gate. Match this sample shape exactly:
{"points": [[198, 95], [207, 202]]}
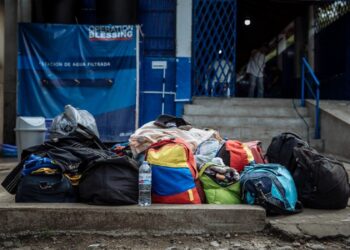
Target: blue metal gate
{"points": [[214, 47], [158, 64]]}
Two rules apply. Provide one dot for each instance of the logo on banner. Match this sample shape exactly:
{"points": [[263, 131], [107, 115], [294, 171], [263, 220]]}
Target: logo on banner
{"points": [[111, 32]]}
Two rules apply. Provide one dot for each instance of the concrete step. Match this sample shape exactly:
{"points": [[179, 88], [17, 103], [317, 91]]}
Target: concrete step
{"points": [[265, 134], [316, 144], [220, 121], [260, 132], [257, 102], [248, 111], [265, 142], [6, 167], [132, 220]]}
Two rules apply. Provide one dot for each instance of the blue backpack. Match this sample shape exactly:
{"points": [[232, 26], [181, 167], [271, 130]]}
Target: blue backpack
{"points": [[270, 186]]}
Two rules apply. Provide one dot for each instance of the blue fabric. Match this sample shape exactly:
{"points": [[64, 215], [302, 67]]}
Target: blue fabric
{"points": [[274, 180], [170, 181], [91, 67], [35, 162], [276, 193]]}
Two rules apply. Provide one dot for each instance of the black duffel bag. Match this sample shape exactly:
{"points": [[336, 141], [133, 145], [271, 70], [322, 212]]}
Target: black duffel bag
{"points": [[112, 181], [281, 150], [321, 182], [45, 188]]}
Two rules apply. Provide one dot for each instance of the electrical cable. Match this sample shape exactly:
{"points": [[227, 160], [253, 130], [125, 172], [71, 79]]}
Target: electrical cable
{"points": [[302, 118]]}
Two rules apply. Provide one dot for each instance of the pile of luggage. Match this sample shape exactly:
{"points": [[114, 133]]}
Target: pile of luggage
{"points": [[189, 166]]}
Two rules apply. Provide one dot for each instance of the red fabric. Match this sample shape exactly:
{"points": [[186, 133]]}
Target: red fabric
{"points": [[200, 191], [238, 156], [257, 151], [182, 198]]}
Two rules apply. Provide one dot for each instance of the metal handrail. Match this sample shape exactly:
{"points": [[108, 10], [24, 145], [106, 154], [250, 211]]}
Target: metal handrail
{"points": [[306, 69]]}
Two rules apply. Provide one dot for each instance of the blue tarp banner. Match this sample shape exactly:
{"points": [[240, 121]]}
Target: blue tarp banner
{"points": [[91, 67]]}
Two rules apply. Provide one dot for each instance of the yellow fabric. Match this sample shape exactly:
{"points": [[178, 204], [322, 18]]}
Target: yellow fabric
{"points": [[47, 171], [249, 153], [169, 155], [74, 179], [190, 194]]}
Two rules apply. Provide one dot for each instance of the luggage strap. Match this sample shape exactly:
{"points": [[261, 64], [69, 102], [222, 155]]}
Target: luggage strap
{"points": [[274, 204]]}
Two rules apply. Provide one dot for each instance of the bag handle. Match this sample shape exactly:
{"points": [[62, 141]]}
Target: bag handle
{"points": [[291, 133], [298, 137]]}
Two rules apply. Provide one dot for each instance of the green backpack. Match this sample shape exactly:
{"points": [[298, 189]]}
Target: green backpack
{"points": [[219, 192]]}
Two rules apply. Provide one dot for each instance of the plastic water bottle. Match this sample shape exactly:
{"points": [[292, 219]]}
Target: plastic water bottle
{"points": [[145, 184]]}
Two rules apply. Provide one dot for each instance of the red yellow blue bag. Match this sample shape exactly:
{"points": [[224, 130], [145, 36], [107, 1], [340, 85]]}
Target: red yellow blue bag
{"points": [[174, 172]]}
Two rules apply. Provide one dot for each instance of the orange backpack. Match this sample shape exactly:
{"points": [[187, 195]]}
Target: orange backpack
{"points": [[236, 155]]}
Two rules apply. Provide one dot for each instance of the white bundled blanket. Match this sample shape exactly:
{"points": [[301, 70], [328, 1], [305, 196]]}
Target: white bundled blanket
{"points": [[150, 133]]}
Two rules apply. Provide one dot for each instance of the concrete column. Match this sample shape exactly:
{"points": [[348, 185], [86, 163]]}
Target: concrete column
{"points": [[300, 43], [183, 53], [311, 37], [281, 46], [282, 43], [184, 28], [24, 11], [10, 67], [2, 61]]}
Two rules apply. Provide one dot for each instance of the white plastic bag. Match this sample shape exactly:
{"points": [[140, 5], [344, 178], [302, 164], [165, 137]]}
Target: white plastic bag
{"points": [[67, 122]]}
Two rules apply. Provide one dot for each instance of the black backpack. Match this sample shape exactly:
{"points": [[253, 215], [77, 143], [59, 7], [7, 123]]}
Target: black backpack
{"points": [[281, 150], [322, 182], [112, 181]]}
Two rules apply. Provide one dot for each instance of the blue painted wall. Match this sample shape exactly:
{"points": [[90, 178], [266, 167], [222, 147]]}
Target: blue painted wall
{"points": [[158, 23], [183, 83], [151, 103]]}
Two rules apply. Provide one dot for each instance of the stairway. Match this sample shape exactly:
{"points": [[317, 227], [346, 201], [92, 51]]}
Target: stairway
{"points": [[248, 119]]}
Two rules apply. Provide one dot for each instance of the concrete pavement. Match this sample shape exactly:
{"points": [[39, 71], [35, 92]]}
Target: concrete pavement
{"points": [[6, 165], [313, 223]]}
